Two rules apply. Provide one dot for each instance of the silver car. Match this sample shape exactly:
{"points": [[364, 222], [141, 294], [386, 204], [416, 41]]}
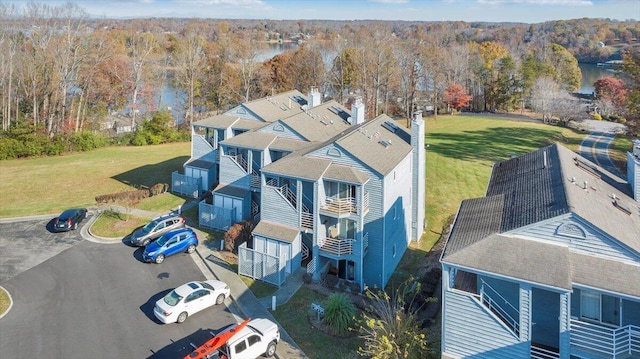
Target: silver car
{"points": [[156, 228]]}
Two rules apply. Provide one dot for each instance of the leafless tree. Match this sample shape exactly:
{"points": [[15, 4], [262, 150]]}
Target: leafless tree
{"points": [[189, 60], [140, 46], [543, 93]]}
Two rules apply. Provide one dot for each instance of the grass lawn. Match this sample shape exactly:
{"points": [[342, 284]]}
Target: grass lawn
{"points": [[49, 185], [294, 317], [113, 224], [461, 151], [4, 301]]}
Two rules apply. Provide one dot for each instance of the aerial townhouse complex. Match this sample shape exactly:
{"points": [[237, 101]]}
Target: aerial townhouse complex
{"points": [[328, 190], [547, 264]]}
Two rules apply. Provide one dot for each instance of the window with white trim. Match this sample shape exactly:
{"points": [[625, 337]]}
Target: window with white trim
{"points": [[599, 307]]}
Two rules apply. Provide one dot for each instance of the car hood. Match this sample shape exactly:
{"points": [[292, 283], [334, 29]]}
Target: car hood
{"points": [[140, 232], [151, 247]]}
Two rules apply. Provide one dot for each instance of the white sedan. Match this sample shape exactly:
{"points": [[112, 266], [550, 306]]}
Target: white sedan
{"points": [[189, 299]]}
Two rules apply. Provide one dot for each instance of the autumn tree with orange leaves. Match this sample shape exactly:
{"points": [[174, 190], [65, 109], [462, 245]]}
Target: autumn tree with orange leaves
{"points": [[455, 97]]}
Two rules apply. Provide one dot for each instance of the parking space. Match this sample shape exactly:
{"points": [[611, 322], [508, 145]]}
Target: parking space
{"points": [[75, 298]]}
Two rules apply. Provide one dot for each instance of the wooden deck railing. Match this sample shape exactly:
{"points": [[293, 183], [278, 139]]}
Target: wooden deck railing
{"points": [[339, 247]]}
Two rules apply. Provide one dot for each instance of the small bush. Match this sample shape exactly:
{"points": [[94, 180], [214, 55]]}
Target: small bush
{"points": [[158, 188], [236, 235], [339, 312], [596, 116]]}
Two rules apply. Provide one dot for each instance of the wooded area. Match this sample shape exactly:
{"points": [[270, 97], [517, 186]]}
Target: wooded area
{"points": [[62, 72]]}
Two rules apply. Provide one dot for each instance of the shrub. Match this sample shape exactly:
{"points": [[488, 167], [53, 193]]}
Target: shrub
{"points": [[339, 312], [123, 196], [236, 235], [158, 188], [596, 116]]}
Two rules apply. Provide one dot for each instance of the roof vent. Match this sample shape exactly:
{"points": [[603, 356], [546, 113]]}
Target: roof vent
{"points": [[389, 125], [385, 143], [586, 185], [573, 180], [621, 206]]}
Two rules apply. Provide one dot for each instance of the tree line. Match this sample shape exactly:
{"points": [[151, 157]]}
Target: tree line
{"points": [[63, 73]]}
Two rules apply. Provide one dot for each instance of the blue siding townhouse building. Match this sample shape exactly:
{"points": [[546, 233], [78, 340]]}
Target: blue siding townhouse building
{"points": [[329, 191], [547, 264]]}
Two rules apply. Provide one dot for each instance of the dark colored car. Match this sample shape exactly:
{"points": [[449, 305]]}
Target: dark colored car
{"points": [[69, 219], [156, 228], [174, 242]]}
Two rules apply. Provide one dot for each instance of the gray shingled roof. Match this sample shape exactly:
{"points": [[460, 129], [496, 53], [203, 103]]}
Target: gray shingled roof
{"points": [[276, 231], [535, 187], [346, 174], [533, 261], [319, 123], [252, 140], [294, 165], [219, 121], [232, 191], [288, 144], [273, 108], [199, 163], [366, 144]]}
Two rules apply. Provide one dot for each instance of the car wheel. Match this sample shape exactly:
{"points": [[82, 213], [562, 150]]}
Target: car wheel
{"points": [[182, 317], [271, 350], [191, 249], [220, 299], [160, 258]]}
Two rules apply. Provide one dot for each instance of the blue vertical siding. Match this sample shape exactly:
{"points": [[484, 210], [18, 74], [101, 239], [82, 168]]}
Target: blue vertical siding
{"points": [[594, 240], [276, 209], [525, 312], [545, 315], [630, 313], [231, 173], [470, 331]]}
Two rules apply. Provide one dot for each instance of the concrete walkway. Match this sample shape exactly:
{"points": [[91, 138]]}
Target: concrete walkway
{"points": [[245, 304]]}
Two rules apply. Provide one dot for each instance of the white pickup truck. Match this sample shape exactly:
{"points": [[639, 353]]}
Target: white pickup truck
{"points": [[258, 338]]}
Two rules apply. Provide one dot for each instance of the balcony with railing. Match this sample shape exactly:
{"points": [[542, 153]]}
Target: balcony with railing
{"points": [[336, 246], [342, 206], [602, 341], [255, 179]]}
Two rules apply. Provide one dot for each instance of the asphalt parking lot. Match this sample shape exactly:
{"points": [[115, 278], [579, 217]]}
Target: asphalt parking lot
{"points": [[76, 299]]}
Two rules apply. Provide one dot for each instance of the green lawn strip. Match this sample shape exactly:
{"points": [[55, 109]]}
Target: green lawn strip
{"points": [[259, 288], [4, 301], [113, 224], [294, 317], [49, 185], [160, 203], [618, 152]]}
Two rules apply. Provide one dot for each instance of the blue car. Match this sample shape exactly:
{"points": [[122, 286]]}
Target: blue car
{"points": [[177, 241]]}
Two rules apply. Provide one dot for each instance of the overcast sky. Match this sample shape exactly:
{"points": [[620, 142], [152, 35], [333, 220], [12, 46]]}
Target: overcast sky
{"points": [[528, 11]]}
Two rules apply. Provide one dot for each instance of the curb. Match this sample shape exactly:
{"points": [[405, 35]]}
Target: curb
{"points": [[10, 302]]}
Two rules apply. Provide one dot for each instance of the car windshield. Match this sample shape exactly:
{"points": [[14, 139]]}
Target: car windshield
{"points": [[206, 285], [172, 298], [162, 240], [149, 226]]}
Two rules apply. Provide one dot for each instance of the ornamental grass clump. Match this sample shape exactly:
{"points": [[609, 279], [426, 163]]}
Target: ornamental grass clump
{"points": [[339, 312]]}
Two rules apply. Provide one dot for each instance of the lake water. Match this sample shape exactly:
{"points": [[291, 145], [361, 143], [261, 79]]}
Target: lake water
{"points": [[590, 74]]}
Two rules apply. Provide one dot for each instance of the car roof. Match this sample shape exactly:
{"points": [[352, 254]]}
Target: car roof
{"points": [[259, 325], [165, 217], [178, 231], [70, 212], [187, 288]]}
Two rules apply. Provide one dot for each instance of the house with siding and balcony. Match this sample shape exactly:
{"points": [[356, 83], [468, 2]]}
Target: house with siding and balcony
{"points": [[547, 264], [328, 191]]}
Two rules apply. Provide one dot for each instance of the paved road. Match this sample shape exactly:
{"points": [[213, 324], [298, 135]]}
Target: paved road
{"points": [[595, 148], [79, 299]]}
